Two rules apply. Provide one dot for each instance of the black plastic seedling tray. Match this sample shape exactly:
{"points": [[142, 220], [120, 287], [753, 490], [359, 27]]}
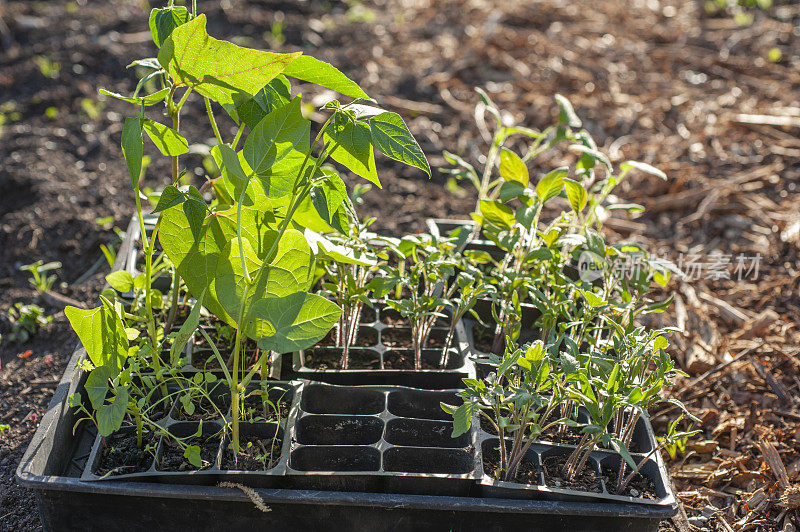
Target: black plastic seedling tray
{"points": [[379, 438], [417, 479], [377, 363]]}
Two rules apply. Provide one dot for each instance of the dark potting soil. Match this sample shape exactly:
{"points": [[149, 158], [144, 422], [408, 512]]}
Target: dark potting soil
{"points": [[640, 486], [487, 426], [368, 315], [527, 473], [205, 359], [390, 316], [483, 337], [172, 458], [568, 436], [255, 454], [396, 337], [585, 480], [365, 337], [404, 359], [256, 409], [332, 359], [121, 456], [224, 343]]}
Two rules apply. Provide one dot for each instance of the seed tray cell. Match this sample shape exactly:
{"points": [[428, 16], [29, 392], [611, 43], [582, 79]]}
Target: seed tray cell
{"points": [[388, 362], [409, 452]]}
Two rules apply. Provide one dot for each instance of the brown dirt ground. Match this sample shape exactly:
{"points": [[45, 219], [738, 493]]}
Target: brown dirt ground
{"points": [[664, 79]]}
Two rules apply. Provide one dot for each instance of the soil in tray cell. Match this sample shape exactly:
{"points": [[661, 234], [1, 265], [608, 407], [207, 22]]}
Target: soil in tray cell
{"points": [[390, 316], [430, 359], [401, 337], [527, 471], [320, 399], [483, 337], [203, 408], [257, 409], [640, 486], [338, 430], [260, 448], [331, 358], [172, 459], [366, 337], [554, 477], [119, 454]]}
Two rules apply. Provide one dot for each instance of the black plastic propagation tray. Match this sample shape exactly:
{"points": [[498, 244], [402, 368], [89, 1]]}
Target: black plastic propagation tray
{"points": [[412, 477]]}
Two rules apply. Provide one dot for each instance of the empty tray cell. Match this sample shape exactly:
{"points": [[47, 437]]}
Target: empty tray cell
{"points": [[423, 433], [421, 460], [422, 404], [318, 399], [338, 430], [335, 459]]}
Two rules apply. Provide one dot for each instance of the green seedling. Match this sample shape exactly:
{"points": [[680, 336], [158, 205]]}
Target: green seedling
{"points": [[39, 278], [26, 320]]}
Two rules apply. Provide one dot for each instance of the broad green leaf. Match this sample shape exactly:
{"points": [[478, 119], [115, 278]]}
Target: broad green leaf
{"points": [[150, 99], [275, 94], [120, 280], [329, 199], [102, 334], [322, 246], [110, 416], [133, 149], [391, 136], [167, 140], [164, 21], [197, 252], [551, 184], [576, 194], [353, 147], [231, 164], [643, 167], [497, 213], [510, 190], [218, 69], [299, 320], [512, 168], [169, 197], [97, 385], [283, 136], [229, 280], [313, 70]]}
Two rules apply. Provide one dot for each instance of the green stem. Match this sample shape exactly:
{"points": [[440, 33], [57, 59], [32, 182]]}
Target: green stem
{"points": [[213, 121]]}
